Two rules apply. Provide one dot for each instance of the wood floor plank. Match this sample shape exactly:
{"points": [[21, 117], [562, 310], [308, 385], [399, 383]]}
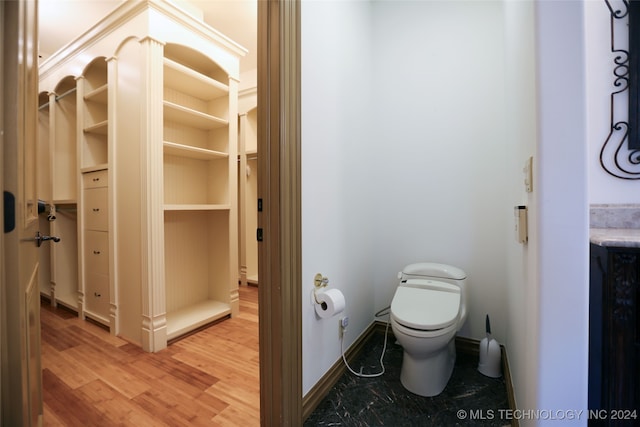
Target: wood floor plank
{"points": [[173, 405], [59, 338], [210, 378], [238, 396], [91, 344], [115, 408], [122, 380], [51, 417], [234, 417], [183, 372], [221, 367], [66, 369], [68, 407]]}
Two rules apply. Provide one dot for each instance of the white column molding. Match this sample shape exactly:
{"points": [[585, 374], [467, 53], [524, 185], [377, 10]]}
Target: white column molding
{"points": [[52, 130], [154, 318], [242, 191], [112, 101], [234, 298], [80, 114]]}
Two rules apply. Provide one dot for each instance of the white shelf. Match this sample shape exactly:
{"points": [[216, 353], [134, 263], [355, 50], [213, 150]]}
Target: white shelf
{"points": [[193, 152], [186, 80], [58, 202], [190, 117], [187, 319], [99, 128], [171, 207], [99, 95], [94, 168]]}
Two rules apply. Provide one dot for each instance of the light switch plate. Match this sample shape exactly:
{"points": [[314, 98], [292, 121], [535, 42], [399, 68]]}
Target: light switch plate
{"points": [[521, 224]]}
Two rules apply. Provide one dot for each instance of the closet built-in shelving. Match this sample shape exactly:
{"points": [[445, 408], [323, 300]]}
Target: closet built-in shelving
{"points": [[196, 192], [63, 106], [248, 189], [44, 190], [155, 175], [61, 132], [95, 289], [95, 112]]}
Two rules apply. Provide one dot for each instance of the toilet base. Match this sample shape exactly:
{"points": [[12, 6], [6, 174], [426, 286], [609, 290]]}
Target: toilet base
{"points": [[428, 377]]}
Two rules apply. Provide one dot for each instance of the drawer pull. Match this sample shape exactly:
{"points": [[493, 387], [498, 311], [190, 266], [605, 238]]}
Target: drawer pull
{"points": [[96, 209], [96, 252], [97, 295], [96, 179]]}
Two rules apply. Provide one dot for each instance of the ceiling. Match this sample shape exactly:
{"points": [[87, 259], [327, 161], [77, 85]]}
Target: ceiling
{"points": [[61, 21]]}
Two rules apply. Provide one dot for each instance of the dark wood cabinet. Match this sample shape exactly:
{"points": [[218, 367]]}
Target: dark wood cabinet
{"points": [[614, 334]]}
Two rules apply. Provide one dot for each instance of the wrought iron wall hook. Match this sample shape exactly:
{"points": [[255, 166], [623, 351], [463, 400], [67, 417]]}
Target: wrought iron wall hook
{"points": [[615, 158], [618, 13]]}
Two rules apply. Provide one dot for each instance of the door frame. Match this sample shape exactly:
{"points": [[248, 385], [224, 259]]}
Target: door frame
{"points": [[2, 187], [279, 187]]}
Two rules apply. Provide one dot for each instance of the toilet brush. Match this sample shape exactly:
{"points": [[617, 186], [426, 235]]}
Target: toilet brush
{"points": [[490, 357], [487, 327]]}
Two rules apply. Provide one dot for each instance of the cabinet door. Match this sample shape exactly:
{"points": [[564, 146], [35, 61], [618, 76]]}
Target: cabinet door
{"points": [[97, 294], [96, 246], [95, 179], [597, 279], [95, 209], [621, 337]]}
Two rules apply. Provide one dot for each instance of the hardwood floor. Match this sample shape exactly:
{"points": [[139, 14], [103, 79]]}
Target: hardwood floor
{"points": [[210, 378]]}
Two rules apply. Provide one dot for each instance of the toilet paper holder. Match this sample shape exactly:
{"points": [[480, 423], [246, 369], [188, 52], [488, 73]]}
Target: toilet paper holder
{"points": [[328, 302], [319, 281]]}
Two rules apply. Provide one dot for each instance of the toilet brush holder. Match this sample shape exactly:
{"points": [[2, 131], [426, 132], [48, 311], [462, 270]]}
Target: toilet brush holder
{"points": [[490, 358], [490, 355]]}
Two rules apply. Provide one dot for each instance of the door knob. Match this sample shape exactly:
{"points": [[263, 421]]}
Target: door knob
{"points": [[40, 238]]}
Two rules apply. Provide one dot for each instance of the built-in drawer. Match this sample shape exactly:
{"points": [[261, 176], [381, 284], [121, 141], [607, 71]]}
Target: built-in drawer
{"points": [[96, 296], [96, 216], [96, 252], [95, 179]]}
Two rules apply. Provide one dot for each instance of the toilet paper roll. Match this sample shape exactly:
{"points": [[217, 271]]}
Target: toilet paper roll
{"points": [[330, 303]]}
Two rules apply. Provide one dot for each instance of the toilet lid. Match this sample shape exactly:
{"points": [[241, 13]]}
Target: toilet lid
{"points": [[426, 308]]}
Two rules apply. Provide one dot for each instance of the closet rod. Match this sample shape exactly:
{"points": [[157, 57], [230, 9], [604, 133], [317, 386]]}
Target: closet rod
{"points": [[45, 105], [59, 97]]}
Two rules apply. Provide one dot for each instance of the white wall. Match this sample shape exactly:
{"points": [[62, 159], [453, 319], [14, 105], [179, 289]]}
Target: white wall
{"points": [[439, 163], [337, 207], [520, 122], [603, 188], [404, 157], [561, 339]]}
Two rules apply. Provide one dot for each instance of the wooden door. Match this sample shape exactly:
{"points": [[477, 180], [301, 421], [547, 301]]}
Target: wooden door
{"points": [[20, 376]]}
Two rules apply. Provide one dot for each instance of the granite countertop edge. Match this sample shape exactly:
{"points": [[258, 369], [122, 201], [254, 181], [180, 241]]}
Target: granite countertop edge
{"points": [[615, 237]]}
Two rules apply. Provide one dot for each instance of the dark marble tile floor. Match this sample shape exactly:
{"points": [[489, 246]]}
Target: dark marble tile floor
{"points": [[470, 398]]}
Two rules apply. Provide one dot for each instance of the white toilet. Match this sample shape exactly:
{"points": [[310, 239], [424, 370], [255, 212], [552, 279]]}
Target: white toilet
{"points": [[428, 308]]}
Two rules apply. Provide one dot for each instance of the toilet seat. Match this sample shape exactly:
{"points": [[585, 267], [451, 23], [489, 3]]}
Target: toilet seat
{"points": [[425, 305]]}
